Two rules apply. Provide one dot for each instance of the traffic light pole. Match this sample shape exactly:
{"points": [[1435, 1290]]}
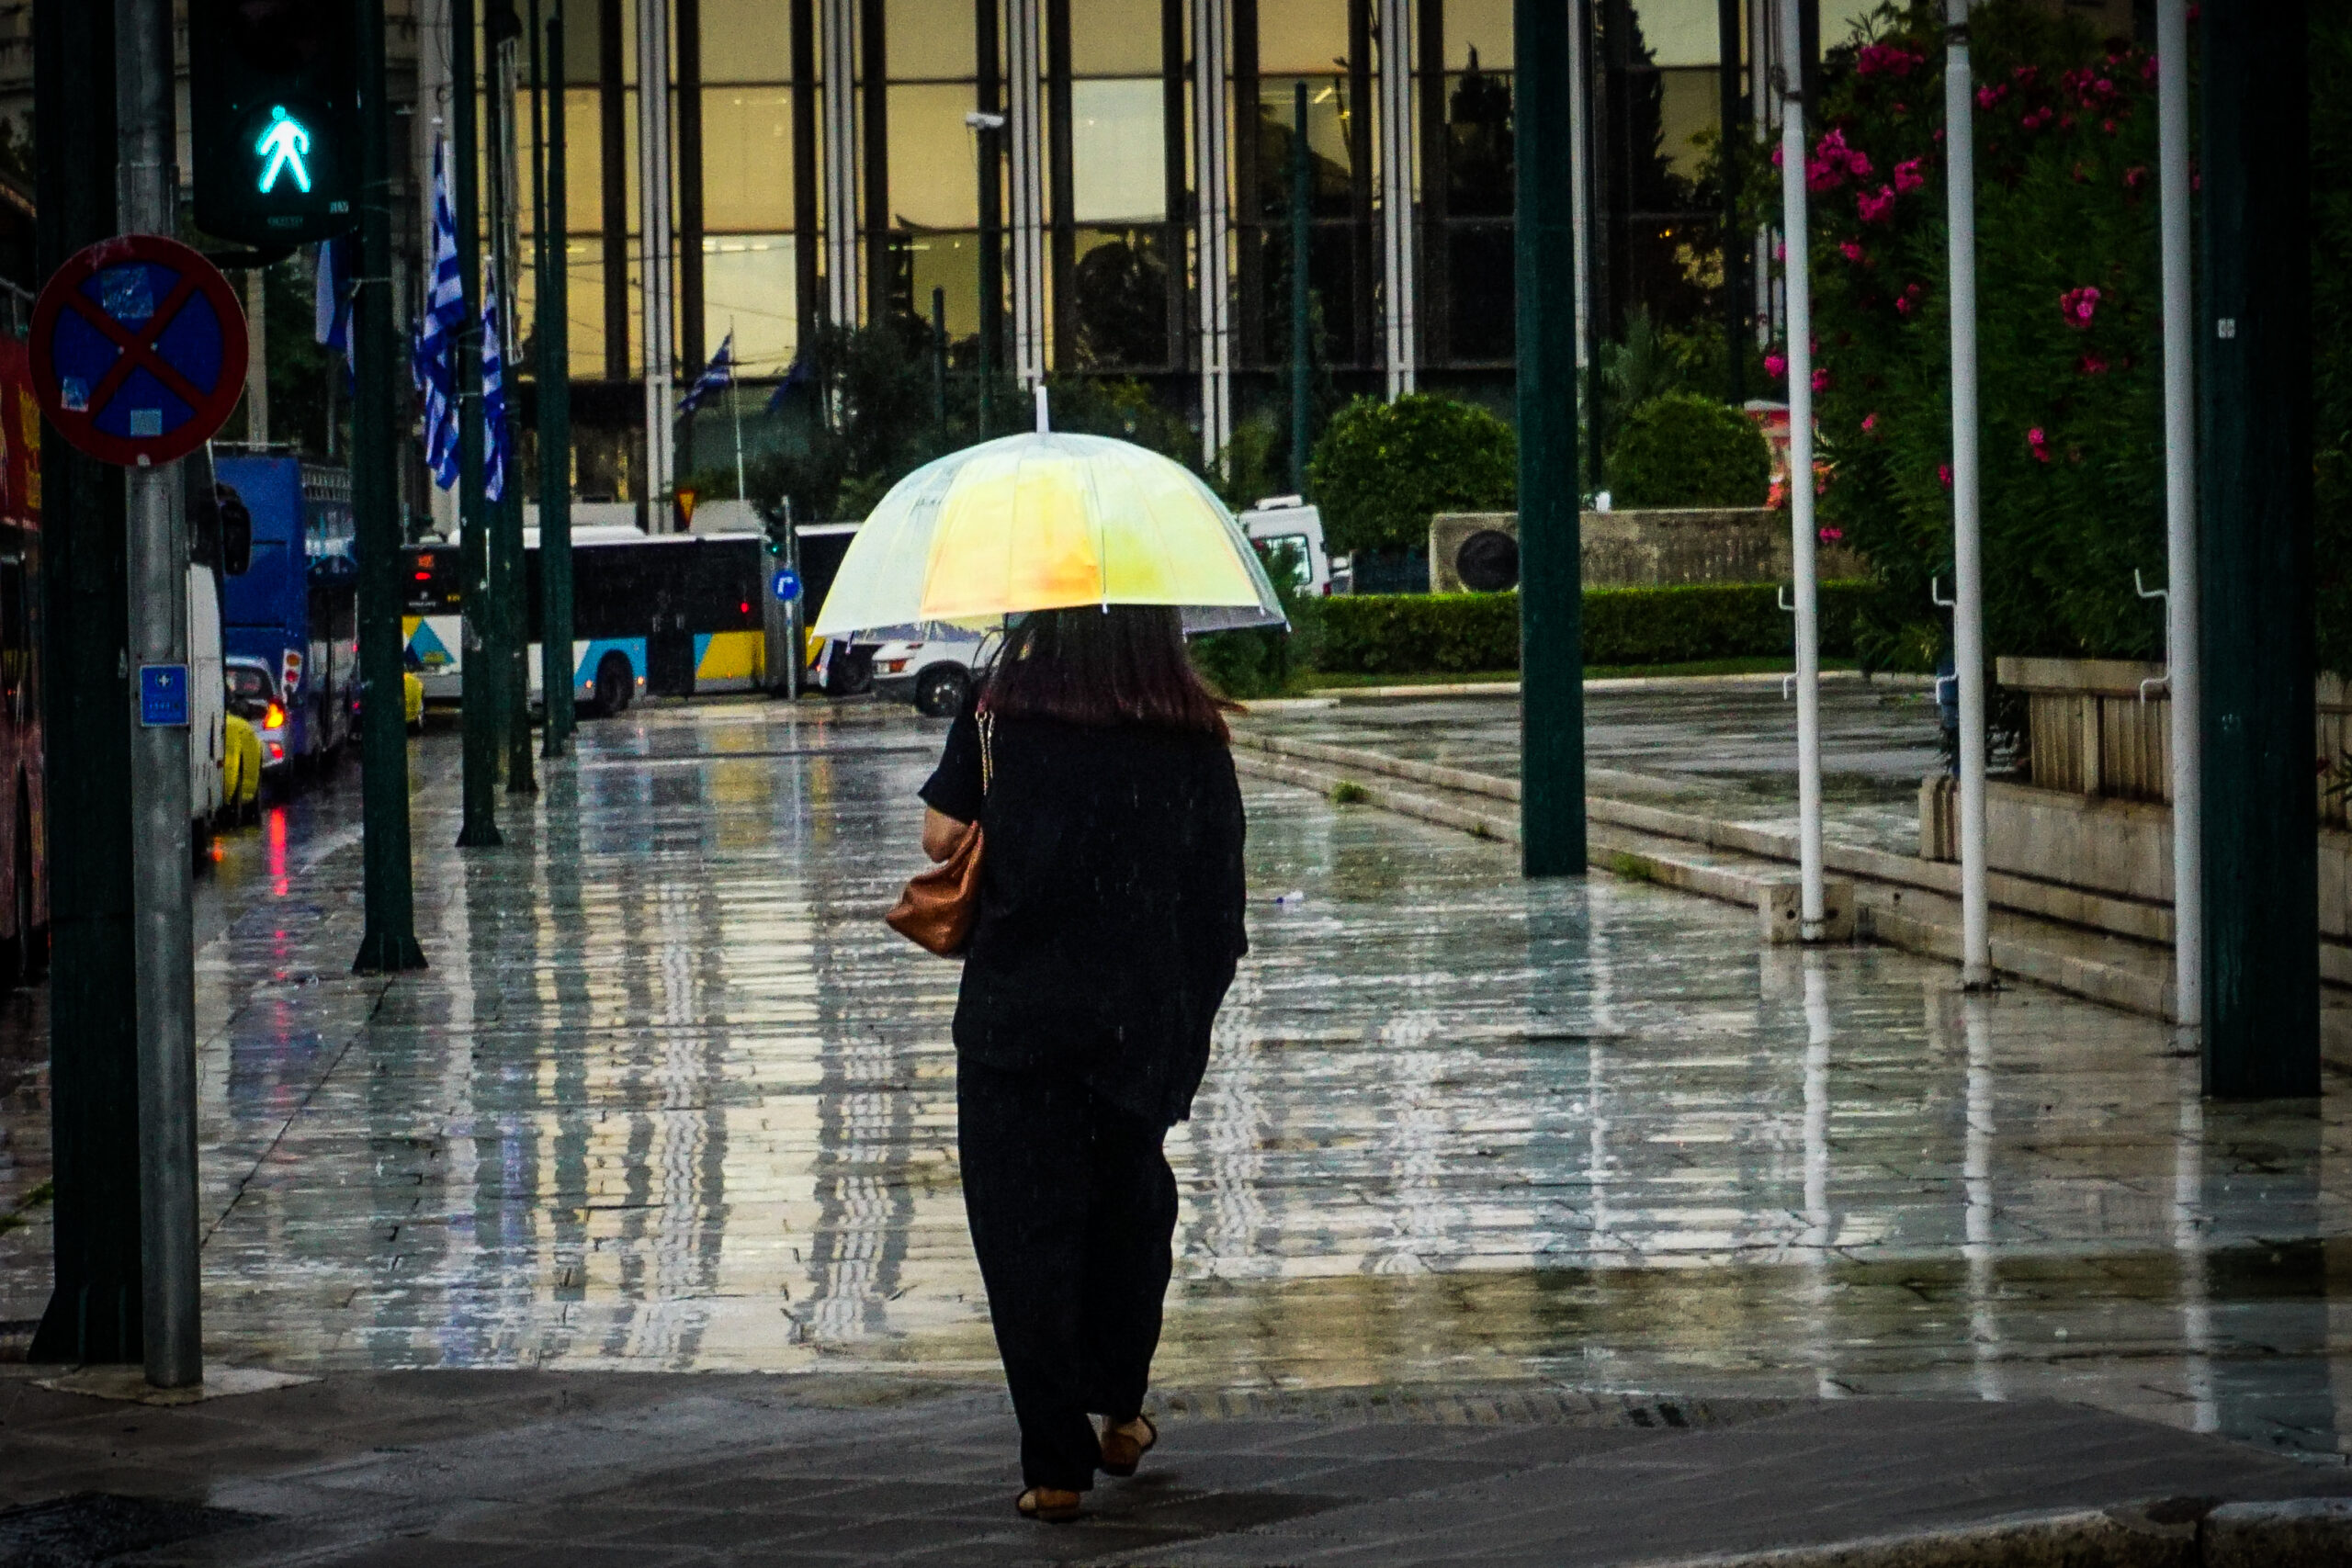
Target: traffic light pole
{"points": [[554, 392], [477, 656], [388, 942], [162, 866], [95, 1305]]}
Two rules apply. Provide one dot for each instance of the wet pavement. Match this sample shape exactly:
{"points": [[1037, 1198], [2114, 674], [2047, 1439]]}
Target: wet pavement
{"points": [[1724, 748], [671, 1098]]}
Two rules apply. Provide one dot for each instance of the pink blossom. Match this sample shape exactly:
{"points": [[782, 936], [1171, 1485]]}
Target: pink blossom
{"points": [[2148, 69], [1876, 207], [1776, 366], [2024, 75], [1779, 250], [2135, 177], [1908, 300], [2034, 119], [2092, 364], [1833, 162], [1907, 175], [1821, 380], [1887, 59], [2107, 125], [1943, 475], [1831, 535], [2037, 444], [1850, 249], [1988, 96], [1776, 154], [2079, 305], [1870, 422]]}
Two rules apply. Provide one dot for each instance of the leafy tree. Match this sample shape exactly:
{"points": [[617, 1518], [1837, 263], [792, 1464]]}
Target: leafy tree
{"points": [[1382, 469]]}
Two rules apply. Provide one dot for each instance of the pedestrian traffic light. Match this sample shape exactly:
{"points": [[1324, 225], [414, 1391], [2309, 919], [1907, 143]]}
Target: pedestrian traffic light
{"points": [[274, 120]]}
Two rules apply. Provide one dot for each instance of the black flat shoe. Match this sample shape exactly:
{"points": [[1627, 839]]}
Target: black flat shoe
{"points": [[1122, 1453]]}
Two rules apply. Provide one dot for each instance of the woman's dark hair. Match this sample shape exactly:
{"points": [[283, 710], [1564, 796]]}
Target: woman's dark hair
{"points": [[1119, 664]]}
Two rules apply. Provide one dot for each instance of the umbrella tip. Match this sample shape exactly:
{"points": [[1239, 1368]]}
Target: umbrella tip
{"points": [[1045, 418]]}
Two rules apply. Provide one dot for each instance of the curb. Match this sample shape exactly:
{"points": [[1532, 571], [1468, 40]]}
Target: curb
{"points": [[2185, 1532]]}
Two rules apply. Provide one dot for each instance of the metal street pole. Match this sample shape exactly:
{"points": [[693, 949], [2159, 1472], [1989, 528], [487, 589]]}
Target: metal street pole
{"points": [[938, 378], [161, 866], [2180, 514], [1301, 192], [1967, 532], [555, 415], [478, 609], [1551, 594], [94, 1309], [1812, 911], [502, 28], [2254, 554], [388, 942]]}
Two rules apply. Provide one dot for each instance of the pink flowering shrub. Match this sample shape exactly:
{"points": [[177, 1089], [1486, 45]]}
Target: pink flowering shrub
{"points": [[2072, 506]]}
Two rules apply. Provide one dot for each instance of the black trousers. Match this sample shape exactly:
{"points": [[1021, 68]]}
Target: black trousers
{"points": [[1073, 1214]]}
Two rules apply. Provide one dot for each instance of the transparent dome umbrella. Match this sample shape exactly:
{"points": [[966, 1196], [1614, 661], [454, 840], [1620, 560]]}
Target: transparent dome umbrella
{"points": [[1046, 521]]}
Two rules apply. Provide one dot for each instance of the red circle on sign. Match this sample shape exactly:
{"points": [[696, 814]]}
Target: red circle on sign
{"points": [[197, 285]]}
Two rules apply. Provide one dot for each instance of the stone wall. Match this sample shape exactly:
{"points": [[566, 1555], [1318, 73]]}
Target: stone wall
{"points": [[1650, 548]]}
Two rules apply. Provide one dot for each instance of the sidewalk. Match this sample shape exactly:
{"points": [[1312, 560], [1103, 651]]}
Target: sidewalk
{"points": [[410, 1470]]}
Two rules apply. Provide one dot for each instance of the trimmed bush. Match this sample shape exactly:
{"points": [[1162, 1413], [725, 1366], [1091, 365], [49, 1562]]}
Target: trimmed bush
{"points": [[1382, 469], [1414, 633], [1680, 449]]}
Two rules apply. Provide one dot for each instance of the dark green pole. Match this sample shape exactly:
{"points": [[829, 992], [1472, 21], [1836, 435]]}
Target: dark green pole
{"points": [[389, 941], [93, 1312], [1301, 193], [985, 15], [1734, 243], [1551, 596], [555, 409], [476, 654], [2254, 555], [939, 360]]}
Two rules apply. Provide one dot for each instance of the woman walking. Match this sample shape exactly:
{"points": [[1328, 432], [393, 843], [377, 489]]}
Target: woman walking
{"points": [[1098, 769]]}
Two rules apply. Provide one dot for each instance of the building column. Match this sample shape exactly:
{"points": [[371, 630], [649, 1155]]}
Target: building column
{"points": [[1363, 331], [655, 250], [612, 141], [1213, 176], [1025, 140], [693, 344], [1396, 268], [1062, 187], [1178, 218], [1429, 304], [807, 280], [839, 32], [874, 58]]}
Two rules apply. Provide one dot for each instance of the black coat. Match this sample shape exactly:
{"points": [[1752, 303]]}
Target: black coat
{"points": [[1110, 903]]}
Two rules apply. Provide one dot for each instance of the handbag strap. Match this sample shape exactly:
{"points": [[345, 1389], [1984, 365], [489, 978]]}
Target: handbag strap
{"points": [[988, 752]]}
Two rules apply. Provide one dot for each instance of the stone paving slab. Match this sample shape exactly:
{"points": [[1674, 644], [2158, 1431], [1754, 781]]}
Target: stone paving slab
{"points": [[523, 1467]]}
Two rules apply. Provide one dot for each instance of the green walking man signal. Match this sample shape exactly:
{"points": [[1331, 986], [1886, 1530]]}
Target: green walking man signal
{"points": [[286, 144], [274, 104]]}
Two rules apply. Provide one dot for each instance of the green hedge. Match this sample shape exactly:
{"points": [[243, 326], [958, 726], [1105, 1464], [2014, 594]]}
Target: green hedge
{"points": [[1412, 634]]}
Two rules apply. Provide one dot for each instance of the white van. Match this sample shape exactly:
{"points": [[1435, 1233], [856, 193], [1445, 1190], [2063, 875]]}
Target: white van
{"points": [[208, 710], [1281, 521]]}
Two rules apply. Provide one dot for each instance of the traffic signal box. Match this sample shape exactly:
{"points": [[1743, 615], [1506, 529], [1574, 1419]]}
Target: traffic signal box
{"points": [[275, 118]]}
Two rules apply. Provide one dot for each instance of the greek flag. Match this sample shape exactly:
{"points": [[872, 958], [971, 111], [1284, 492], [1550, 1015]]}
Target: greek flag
{"points": [[331, 306], [434, 364], [796, 378], [497, 441], [717, 376]]}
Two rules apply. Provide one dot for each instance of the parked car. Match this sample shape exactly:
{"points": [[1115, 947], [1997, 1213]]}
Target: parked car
{"points": [[935, 674]]}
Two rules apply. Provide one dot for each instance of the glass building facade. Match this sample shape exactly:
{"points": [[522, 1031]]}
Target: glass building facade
{"points": [[841, 160]]}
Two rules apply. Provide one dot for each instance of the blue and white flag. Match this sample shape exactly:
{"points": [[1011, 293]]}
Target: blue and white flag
{"points": [[796, 377], [497, 441], [331, 306], [717, 377], [444, 313]]}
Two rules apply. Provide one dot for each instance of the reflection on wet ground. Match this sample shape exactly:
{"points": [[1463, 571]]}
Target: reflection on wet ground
{"points": [[1726, 749], [672, 1097]]}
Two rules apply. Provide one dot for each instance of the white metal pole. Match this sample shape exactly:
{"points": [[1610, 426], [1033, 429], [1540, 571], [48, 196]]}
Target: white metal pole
{"points": [[2180, 514], [1967, 555], [164, 984], [1812, 912]]}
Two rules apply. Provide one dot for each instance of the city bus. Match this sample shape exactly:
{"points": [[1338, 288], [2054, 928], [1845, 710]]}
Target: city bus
{"points": [[23, 874], [664, 616], [294, 610]]}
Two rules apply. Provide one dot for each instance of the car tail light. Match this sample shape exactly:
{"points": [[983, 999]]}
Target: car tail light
{"points": [[276, 752], [274, 718]]}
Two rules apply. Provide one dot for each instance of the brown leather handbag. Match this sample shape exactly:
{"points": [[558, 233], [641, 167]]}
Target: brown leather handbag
{"points": [[941, 903]]}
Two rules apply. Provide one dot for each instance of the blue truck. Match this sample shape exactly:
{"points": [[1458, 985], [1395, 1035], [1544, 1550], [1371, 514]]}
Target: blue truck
{"points": [[293, 611]]}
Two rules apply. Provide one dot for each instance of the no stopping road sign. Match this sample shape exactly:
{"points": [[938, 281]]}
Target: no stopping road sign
{"points": [[137, 350]]}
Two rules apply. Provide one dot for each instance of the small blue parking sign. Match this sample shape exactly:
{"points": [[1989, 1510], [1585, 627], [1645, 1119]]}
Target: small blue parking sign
{"points": [[786, 584], [163, 695]]}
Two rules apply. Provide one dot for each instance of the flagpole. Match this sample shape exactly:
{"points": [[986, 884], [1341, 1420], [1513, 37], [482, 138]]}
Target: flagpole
{"points": [[735, 406]]}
